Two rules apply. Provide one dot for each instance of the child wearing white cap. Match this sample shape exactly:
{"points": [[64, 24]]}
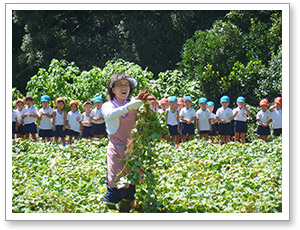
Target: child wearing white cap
{"points": [[187, 117]]}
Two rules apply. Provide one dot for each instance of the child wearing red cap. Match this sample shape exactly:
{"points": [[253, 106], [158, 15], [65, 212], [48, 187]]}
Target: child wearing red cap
{"points": [[14, 123], [264, 118], [74, 121], [86, 121], [164, 104], [20, 109], [276, 110], [154, 105], [180, 104]]}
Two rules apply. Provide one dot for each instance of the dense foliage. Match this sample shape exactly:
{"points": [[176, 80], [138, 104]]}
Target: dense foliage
{"points": [[198, 177], [93, 37]]}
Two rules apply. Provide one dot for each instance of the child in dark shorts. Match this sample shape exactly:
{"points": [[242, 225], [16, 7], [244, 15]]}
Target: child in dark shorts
{"points": [[59, 121], [213, 133], [264, 118], [172, 119], [240, 120], [187, 116], [224, 117]]}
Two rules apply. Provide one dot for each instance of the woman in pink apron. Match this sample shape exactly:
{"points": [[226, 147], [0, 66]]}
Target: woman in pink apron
{"points": [[120, 118]]}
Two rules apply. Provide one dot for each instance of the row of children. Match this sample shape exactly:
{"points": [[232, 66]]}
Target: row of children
{"points": [[178, 112], [180, 115], [57, 123]]}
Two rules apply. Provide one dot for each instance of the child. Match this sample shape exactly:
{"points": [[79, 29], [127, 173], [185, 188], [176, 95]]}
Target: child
{"points": [[187, 116], [45, 115], [30, 116], [163, 105], [14, 123], [224, 117], [162, 112], [213, 121], [276, 111], [86, 121], [20, 110], [263, 118], [172, 119], [154, 105], [98, 127], [203, 121], [74, 122], [240, 119], [180, 104], [59, 120]]}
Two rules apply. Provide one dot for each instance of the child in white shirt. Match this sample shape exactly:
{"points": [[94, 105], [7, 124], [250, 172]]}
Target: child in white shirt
{"points": [[45, 115], [98, 126], [224, 117], [187, 117], [59, 120], [29, 117], [14, 123], [203, 121], [172, 119], [213, 121], [240, 119], [276, 111], [74, 122], [87, 121], [20, 110], [264, 118]]}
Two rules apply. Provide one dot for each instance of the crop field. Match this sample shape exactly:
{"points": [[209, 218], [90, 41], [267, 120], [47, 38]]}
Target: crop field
{"points": [[198, 177]]}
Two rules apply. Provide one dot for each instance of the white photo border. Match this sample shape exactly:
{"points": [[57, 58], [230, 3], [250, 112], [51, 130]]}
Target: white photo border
{"points": [[285, 7]]}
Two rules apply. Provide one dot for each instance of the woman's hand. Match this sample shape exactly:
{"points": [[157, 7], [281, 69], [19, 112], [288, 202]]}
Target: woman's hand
{"points": [[145, 96]]}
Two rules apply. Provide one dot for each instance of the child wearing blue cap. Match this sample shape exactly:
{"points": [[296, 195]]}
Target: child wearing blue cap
{"points": [[203, 121], [45, 115], [98, 126], [172, 119], [240, 115], [213, 121], [224, 117], [187, 117]]}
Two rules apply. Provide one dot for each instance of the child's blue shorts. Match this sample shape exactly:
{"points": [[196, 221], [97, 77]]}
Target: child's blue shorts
{"points": [[98, 129], [214, 130], [59, 132], [263, 131], [86, 131], [30, 128], [173, 130], [46, 133], [204, 132], [240, 127], [277, 132], [14, 127], [225, 129], [72, 133], [21, 130], [187, 128]]}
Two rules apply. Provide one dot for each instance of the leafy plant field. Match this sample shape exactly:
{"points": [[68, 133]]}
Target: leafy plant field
{"points": [[198, 177]]}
